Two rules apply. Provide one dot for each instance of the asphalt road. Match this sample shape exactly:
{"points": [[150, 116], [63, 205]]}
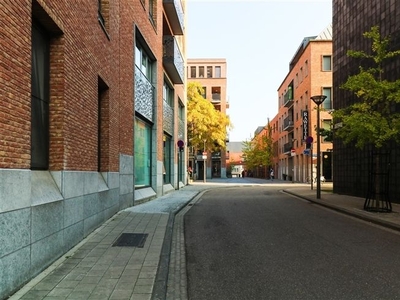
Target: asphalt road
{"points": [[259, 243]]}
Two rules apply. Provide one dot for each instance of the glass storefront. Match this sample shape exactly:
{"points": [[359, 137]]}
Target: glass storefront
{"points": [[142, 154]]}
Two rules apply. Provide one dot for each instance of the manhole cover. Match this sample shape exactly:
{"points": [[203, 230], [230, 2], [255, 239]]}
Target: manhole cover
{"points": [[131, 240]]}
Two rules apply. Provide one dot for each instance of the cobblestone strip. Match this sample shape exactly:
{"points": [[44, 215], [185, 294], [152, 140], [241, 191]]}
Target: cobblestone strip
{"points": [[177, 276], [177, 281]]}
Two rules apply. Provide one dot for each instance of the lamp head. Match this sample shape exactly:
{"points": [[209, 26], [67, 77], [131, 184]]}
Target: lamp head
{"points": [[318, 99]]}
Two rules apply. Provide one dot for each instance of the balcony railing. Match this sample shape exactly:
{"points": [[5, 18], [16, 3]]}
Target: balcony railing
{"points": [[174, 12], [288, 98], [173, 59], [288, 124], [287, 148]]}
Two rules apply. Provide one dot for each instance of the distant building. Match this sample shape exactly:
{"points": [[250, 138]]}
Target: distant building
{"points": [[310, 73], [235, 161], [350, 20], [211, 74]]}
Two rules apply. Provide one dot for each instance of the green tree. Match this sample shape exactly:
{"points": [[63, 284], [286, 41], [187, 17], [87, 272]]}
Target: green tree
{"points": [[258, 151], [371, 120], [205, 124]]}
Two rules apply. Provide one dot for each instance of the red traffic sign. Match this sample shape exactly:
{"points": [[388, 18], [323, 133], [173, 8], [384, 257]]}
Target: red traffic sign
{"points": [[180, 143], [204, 153], [309, 140]]}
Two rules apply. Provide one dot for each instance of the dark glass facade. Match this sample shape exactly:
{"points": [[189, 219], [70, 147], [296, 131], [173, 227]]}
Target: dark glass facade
{"points": [[351, 18]]}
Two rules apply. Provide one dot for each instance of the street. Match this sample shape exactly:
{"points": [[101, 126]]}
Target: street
{"points": [[255, 242]]}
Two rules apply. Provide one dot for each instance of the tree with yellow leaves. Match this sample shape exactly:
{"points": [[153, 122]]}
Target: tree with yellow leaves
{"points": [[205, 125]]}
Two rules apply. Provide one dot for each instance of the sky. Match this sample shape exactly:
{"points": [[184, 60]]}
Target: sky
{"points": [[258, 38]]}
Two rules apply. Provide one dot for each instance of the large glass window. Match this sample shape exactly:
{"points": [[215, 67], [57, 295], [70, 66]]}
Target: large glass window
{"points": [[326, 63], [142, 154], [40, 81], [168, 158], [327, 104]]}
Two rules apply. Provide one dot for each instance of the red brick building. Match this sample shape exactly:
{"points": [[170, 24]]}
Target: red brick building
{"points": [[310, 73], [92, 105]]}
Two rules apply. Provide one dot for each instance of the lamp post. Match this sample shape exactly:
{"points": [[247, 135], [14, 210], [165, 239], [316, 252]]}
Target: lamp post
{"points": [[318, 101]]}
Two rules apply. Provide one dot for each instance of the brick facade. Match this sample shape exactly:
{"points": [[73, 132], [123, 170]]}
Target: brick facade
{"points": [[90, 174], [305, 78]]}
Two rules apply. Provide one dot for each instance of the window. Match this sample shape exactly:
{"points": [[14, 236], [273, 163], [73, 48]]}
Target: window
{"points": [[181, 111], [216, 93], [192, 72], [152, 10], [306, 68], [326, 63], [167, 159], [209, 72], [168, 95], [327, 104], [103, 8], [102, 129], [40, 98], [143, 62], [204, 92], [142, 153], [201, 72], [217, 72], [301, 75], [326, 124]]}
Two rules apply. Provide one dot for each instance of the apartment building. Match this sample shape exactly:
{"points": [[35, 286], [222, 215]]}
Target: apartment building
{"points": [[92, 106], [211, 75], [351, 19], [310, 73]]}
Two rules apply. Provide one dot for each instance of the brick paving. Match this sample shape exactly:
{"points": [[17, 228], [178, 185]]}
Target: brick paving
{"points": [[94, 269]]}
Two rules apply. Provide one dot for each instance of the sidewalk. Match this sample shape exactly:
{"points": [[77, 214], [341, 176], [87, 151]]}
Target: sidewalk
{"points": [[154, 257], [353, 206]]}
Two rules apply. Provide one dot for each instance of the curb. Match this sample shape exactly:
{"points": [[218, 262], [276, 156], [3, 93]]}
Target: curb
{"points": [[348, 212], [160, 283]]}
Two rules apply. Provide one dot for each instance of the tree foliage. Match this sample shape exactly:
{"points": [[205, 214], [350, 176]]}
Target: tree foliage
{"points": [[258, 151], [371, 120], [205, 124]]}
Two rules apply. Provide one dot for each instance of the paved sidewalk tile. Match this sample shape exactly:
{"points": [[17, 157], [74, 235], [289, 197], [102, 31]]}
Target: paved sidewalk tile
{"points": [[95, 269]]}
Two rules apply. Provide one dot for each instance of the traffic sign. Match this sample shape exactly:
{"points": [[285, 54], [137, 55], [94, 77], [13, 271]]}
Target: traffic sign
{"points": [[306, 151], [180, 143], [309, 140]]}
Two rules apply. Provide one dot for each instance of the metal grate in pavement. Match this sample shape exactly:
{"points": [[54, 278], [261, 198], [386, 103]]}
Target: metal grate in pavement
{"points": [[131, 240]]}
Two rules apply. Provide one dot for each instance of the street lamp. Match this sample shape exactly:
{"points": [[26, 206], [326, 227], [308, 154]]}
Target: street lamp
{"points": [[318, 101]]}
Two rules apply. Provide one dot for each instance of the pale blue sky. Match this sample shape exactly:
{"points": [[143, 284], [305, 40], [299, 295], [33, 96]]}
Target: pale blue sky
{"points": [[258, 39]]}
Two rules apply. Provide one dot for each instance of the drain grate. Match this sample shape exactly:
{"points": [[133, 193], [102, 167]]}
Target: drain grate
{"points": [[131, 240]]}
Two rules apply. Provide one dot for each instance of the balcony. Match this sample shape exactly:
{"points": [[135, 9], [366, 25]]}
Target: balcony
{"points": [[288, 98], [173, 60], [287, 148], [174, 11], [288, 124]]}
